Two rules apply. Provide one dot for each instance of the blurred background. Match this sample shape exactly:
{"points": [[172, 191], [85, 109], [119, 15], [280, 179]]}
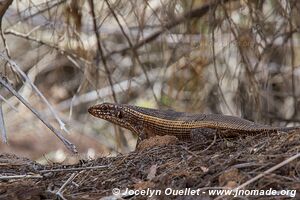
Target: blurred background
{"points": [[231, 57]]}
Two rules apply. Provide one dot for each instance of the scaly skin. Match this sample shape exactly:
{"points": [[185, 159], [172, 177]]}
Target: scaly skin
{"points": [[145, 122]]}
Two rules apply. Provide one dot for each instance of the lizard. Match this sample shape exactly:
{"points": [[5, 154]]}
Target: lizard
{"points": [[148, 122]]}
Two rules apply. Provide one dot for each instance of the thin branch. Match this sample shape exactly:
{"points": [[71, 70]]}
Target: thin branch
{"points": [[103, 59], [8, 103], [4, 41], [215, 66], [62, 51], [196, 13], [25, 77], [268, 171], [295, 99], [119, 136], [48, 8], [68, 144], [3, 8], [26, 176], [60, 191], [105, 92], [2, 125], [74, 169], [134, 51]]}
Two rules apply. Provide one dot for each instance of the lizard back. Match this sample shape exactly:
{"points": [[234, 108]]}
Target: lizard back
{"points": [[149, 122], [188, 120]]}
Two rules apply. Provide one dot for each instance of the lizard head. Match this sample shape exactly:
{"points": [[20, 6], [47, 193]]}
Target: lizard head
{"points": [[115, 113]]}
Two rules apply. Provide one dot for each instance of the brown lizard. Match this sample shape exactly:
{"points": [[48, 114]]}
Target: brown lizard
{"points": [[146, 122]]}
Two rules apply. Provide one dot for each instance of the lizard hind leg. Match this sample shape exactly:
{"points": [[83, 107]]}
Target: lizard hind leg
{"points": [[202, 134]]}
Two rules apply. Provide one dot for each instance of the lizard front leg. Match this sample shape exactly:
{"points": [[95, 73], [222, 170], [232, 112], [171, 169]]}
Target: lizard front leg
{"points": [[140, 131]]}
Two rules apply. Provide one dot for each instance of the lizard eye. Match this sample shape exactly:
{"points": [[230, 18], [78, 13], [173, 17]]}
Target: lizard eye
{"points": [[120, 115], [104, 108]]}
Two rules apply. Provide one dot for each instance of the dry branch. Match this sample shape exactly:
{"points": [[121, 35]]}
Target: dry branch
{"points": [[68, 144]]}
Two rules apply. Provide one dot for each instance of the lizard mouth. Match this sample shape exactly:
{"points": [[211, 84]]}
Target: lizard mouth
{"points": [[92, 110], [97, 112]]}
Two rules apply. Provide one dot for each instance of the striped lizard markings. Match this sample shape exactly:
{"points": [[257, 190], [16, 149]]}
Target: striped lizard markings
{"points": [[147, 122]]}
